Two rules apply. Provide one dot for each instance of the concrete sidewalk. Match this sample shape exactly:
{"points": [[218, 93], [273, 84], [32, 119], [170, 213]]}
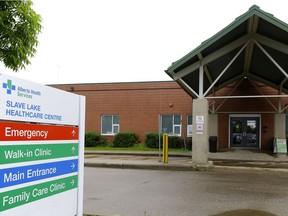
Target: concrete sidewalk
{"points": [[232, 159]]}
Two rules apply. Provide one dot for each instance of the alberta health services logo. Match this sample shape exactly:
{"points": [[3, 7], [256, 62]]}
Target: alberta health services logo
{"points": [[21, 92], [20, 109]]}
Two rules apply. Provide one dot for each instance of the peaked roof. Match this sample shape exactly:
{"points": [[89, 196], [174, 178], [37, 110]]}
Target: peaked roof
{"points": [[254, 46]]}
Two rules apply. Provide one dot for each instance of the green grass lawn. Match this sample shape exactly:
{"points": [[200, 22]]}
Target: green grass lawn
{"points": [[137, 147]]}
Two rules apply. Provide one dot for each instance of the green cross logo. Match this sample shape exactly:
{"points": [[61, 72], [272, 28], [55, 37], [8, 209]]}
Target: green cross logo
{"points": [[9, 86]]}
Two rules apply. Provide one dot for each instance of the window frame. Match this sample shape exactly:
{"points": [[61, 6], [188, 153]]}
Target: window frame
{"points": [[189, 126], [174, 125], [113, 125]]}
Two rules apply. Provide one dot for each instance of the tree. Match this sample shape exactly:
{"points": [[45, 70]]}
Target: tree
{"points": [[19, 28]]}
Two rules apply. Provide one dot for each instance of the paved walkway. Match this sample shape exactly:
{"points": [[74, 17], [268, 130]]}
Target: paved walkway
{"points": [[232, 159]]}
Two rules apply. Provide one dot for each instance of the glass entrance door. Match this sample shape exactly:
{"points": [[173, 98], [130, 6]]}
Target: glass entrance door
{"points": [[244, 132]]}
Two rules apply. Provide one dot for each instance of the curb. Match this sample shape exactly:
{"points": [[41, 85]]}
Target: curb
{"points": [[149, 154], [171, 154], [180, 168], [141, 166]]}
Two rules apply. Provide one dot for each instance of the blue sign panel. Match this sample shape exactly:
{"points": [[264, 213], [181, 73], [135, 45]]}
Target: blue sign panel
{"points": [[24, 174]]}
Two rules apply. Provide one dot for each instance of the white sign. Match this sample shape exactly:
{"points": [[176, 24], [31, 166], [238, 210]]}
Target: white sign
{"points": [[199, 119], [22, 100], [41, 166], [199, 129]]}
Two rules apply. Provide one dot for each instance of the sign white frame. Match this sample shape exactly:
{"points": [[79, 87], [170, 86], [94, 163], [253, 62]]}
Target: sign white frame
{"points": [[29, 102]]}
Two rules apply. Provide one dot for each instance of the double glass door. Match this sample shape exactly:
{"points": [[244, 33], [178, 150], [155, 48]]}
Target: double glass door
{"points": [[244, 132]]}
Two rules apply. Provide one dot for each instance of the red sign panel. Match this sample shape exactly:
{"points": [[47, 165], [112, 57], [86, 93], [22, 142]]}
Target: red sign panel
{"points": [[11, 131]]}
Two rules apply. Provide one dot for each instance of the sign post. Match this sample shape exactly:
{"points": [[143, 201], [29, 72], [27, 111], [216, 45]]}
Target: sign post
{"points": [[41, 149]]}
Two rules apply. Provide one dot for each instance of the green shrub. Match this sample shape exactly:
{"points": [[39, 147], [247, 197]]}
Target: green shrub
{"points": [[125, 139], [152, 140], [175, 142], [189, 143], [93, 139]]}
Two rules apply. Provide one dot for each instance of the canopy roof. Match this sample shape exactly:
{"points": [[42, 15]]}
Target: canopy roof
{"points": [[254, 46]]}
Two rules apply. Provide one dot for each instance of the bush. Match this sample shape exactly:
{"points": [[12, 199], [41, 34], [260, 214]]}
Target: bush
{"points": [[152, 140], [93, 139], [175, 142], [189, 144], [125, 139]]}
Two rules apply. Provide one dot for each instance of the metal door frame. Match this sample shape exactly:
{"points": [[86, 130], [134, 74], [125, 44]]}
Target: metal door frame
{"points": [[244, 116]]}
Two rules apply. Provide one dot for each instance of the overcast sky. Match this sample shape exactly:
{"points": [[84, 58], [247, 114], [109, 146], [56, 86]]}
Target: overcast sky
{"points": [[100, 41]]}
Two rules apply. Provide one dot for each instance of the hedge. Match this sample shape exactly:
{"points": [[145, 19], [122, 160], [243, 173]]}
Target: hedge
{"points": [[125, 139], [93, 139], [152, 141]]}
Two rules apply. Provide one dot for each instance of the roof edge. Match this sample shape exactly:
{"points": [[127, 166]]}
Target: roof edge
{"points": [[253, 10]]}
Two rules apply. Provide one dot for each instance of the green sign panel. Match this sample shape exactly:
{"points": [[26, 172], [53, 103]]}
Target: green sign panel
{"points": [[18, 197], [280, 146], [24, 153]]}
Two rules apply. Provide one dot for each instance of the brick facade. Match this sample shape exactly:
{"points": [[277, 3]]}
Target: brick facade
{"points": [[139, 105]]}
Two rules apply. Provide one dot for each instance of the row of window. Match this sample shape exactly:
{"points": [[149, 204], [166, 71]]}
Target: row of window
{"points": [[170, 124]]}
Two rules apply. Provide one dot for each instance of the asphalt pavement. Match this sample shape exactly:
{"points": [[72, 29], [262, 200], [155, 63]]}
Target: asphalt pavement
{"points": [[229, 159], [254, 160]]}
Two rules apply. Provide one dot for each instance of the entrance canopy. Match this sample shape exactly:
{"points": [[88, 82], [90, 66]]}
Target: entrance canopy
{"points": [[254, 46]]}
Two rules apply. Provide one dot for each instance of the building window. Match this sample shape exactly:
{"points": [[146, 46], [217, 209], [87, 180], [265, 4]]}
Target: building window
{"points": [[109, 124], [189, 125], [171, 124]]}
